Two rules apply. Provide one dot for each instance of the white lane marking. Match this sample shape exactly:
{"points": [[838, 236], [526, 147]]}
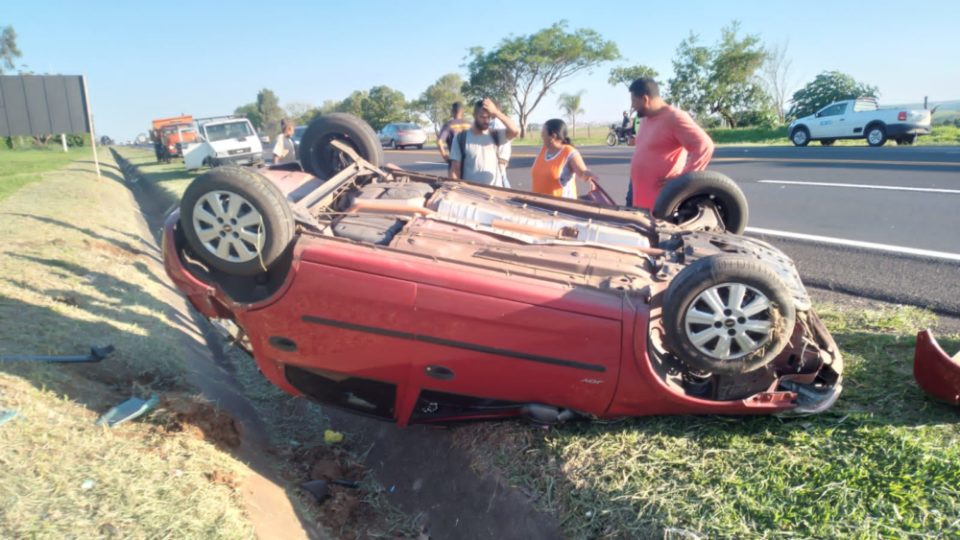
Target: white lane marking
{"points": [[860, 186], [427, 163], [858, 244]]}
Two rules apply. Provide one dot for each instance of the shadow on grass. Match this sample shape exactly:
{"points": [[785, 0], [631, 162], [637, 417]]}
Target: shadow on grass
{"points": [[138, 324], [125, 246]]}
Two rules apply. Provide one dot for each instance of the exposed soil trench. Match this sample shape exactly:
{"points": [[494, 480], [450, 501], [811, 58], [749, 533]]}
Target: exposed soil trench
{"points": [[425, 474]]}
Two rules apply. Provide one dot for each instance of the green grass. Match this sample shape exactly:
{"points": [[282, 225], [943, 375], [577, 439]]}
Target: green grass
{"points": [[884, 462], [172, 178], [75, 273], [942, 135], [21, 167]]}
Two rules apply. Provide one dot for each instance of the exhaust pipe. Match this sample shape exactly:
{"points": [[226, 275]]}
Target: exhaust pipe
{"points": [[546, 414]]}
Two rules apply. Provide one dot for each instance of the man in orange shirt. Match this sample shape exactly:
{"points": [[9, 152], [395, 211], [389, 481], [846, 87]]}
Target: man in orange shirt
{"points": [[668, 144]]}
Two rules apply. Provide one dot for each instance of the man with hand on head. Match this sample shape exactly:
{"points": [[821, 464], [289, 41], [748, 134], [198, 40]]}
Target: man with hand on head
{"points": [[475, 152]]}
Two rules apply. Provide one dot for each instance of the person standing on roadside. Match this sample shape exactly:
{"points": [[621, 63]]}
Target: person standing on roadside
{"points": [[558, 164], [284, 150], [476, 152], [450, 130], [668, 143]]}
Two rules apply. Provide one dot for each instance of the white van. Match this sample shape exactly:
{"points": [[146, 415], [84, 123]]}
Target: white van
{"points": [[225, 140]]}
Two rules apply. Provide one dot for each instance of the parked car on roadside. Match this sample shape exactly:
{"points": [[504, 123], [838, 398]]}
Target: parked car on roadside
{"points": [[402, 135], [419, 299], [860, 119]]}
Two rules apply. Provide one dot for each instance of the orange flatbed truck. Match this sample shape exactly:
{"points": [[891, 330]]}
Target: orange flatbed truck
{"points": [[169, 135]]}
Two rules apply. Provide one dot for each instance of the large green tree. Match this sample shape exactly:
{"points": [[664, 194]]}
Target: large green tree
{"points": [[8, 48], [436, 100], [250, 112], [826, 88], [523, 69], [268, 106], [627, 74], [300, 112], [353, 104], [383, 106], [572, 107], [720, 79]]}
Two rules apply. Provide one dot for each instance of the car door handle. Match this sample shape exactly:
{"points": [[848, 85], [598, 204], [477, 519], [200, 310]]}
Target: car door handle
{"points": [[439, 372]]}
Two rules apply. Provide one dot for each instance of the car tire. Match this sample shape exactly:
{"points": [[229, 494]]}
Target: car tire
{"points": [[827, 142], [419, 147], [727, 314], [321, 159], [876, 135], [236, 220], [679, 199], [800, 136], [612, 139]]}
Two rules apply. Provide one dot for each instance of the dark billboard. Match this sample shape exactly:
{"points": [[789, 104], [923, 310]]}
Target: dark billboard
{"points": [[42, 105]]}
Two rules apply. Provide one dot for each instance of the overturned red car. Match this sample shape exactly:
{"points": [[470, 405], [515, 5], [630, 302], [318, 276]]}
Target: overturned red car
{"points": [[420, 299]]}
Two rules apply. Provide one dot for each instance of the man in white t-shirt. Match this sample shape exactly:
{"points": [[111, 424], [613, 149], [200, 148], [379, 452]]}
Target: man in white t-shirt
{"points": [[475, 154]]}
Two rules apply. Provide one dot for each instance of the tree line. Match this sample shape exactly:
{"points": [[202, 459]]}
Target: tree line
{"points": [[735, 82]]}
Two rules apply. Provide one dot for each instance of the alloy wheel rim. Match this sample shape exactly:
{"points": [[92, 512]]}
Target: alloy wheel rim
{"points": [[228, 226], [729, 321]]}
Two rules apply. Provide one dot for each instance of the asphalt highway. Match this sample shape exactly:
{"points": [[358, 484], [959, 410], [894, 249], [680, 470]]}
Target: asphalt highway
{"points": [[879, 223]]}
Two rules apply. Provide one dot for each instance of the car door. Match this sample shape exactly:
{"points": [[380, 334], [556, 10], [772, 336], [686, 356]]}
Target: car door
{"points": [[500, 350], [831, 122]]}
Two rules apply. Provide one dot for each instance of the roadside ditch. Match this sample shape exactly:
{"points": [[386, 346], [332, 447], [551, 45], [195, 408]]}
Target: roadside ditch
{"points": [[416, 482]]}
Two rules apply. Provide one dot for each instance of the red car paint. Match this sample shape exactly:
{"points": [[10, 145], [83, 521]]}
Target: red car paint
{"points": [[935, 372], [393, 334]]}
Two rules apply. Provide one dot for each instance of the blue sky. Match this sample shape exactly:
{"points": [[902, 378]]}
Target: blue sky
{"points": [[146, 60]]}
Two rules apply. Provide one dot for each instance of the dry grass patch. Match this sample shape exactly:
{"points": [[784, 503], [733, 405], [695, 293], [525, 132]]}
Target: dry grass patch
{"points": [[74, 271]]}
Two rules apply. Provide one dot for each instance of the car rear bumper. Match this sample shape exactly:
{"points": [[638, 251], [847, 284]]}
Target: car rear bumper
{"points": [[900, 130], [412, 140]]}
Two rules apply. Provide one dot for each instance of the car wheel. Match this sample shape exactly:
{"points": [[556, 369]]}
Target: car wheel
{"points": [[236, 220], [681, 198], [827, 142], [419, 147], [320, 158], [800, 136], [727, 314], [876, 135], [611, 139]]}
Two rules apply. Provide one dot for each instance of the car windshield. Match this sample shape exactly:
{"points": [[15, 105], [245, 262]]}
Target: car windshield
{"points": [[404, 127], [229, 130], [170, 130], [298, 132]]}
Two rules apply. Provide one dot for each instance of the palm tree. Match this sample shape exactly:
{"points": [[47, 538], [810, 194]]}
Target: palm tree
{"points": [[570, 103]]}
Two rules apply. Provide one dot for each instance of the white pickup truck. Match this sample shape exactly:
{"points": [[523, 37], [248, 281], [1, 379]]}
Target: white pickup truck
{"points": [[223, 141], [860, 119]]}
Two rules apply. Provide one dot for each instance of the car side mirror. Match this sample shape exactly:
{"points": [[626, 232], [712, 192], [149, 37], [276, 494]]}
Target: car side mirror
{"points": [[817, 115]]}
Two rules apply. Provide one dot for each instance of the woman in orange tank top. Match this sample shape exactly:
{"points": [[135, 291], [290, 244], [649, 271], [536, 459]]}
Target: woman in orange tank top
{"points": [[558, 165]]}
